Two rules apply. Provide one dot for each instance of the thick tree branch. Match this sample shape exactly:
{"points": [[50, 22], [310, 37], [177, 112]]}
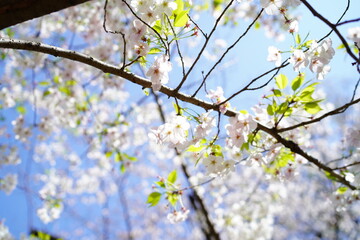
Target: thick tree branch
{"points": [[108, 68], [17, 11]]}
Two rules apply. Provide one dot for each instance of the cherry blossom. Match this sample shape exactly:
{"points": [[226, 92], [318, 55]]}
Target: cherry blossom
{"points": [[158, 72], [218, 96], [299, 60], [178, 216], [274, 55], [271, 6], [354, 35]]}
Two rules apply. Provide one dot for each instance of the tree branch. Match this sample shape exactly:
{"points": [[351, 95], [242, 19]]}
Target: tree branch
{"points": [[13, 12], [108, 68]]}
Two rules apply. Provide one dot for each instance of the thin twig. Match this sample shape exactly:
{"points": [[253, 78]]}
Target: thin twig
{"points": [[204, 46], [227, 50], [318, 119]]}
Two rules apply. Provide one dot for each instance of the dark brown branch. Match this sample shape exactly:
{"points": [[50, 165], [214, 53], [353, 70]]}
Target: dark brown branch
{"points": [[348, 21], [13, 12]]}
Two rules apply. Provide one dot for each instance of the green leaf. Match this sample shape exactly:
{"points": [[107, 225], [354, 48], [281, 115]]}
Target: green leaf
{"points": [[180, 7], [118, 157], [176, 108], [47, 92], [282, 108], [158, 27], [154, 51], [193, 148], [277, 93], [330, 176], [341, 46], [245, 145], [181, 19], [65, 90], [308, 43], [9, 32], [284, 158], [217, 150], [122, 168], [108, 154], [2, 56], [281, 81], [160, 184], [153, 198], [21, 109], [146, 91], [131, 158], [56, 79], [257, 25], [297, 39], [270, 110], [306, 93], [312, 107], [172, 177], [43, 83], [173, 198], [288, 112], [341, 190], [217, 3], [70, 82], [297, 82]]}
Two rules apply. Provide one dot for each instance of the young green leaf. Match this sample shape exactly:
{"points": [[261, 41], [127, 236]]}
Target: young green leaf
{"points": [[297, 82], [270, 110], [341, 190], [281, 81], [172, 177], [21, 109], [173, 198], [277, 93], [153, 198], [312, 107], [181, 19]]}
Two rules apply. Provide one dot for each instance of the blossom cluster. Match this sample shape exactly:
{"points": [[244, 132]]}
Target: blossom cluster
{"points": [[174, 132], [239, 128], [218, 97], [137, 38], [151, 11], [217, 166], [178, 216], [158, 72], [317, 57], [354, 35]]}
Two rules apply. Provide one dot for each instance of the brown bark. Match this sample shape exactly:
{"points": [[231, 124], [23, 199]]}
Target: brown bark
{"points": [[13, 12]]}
